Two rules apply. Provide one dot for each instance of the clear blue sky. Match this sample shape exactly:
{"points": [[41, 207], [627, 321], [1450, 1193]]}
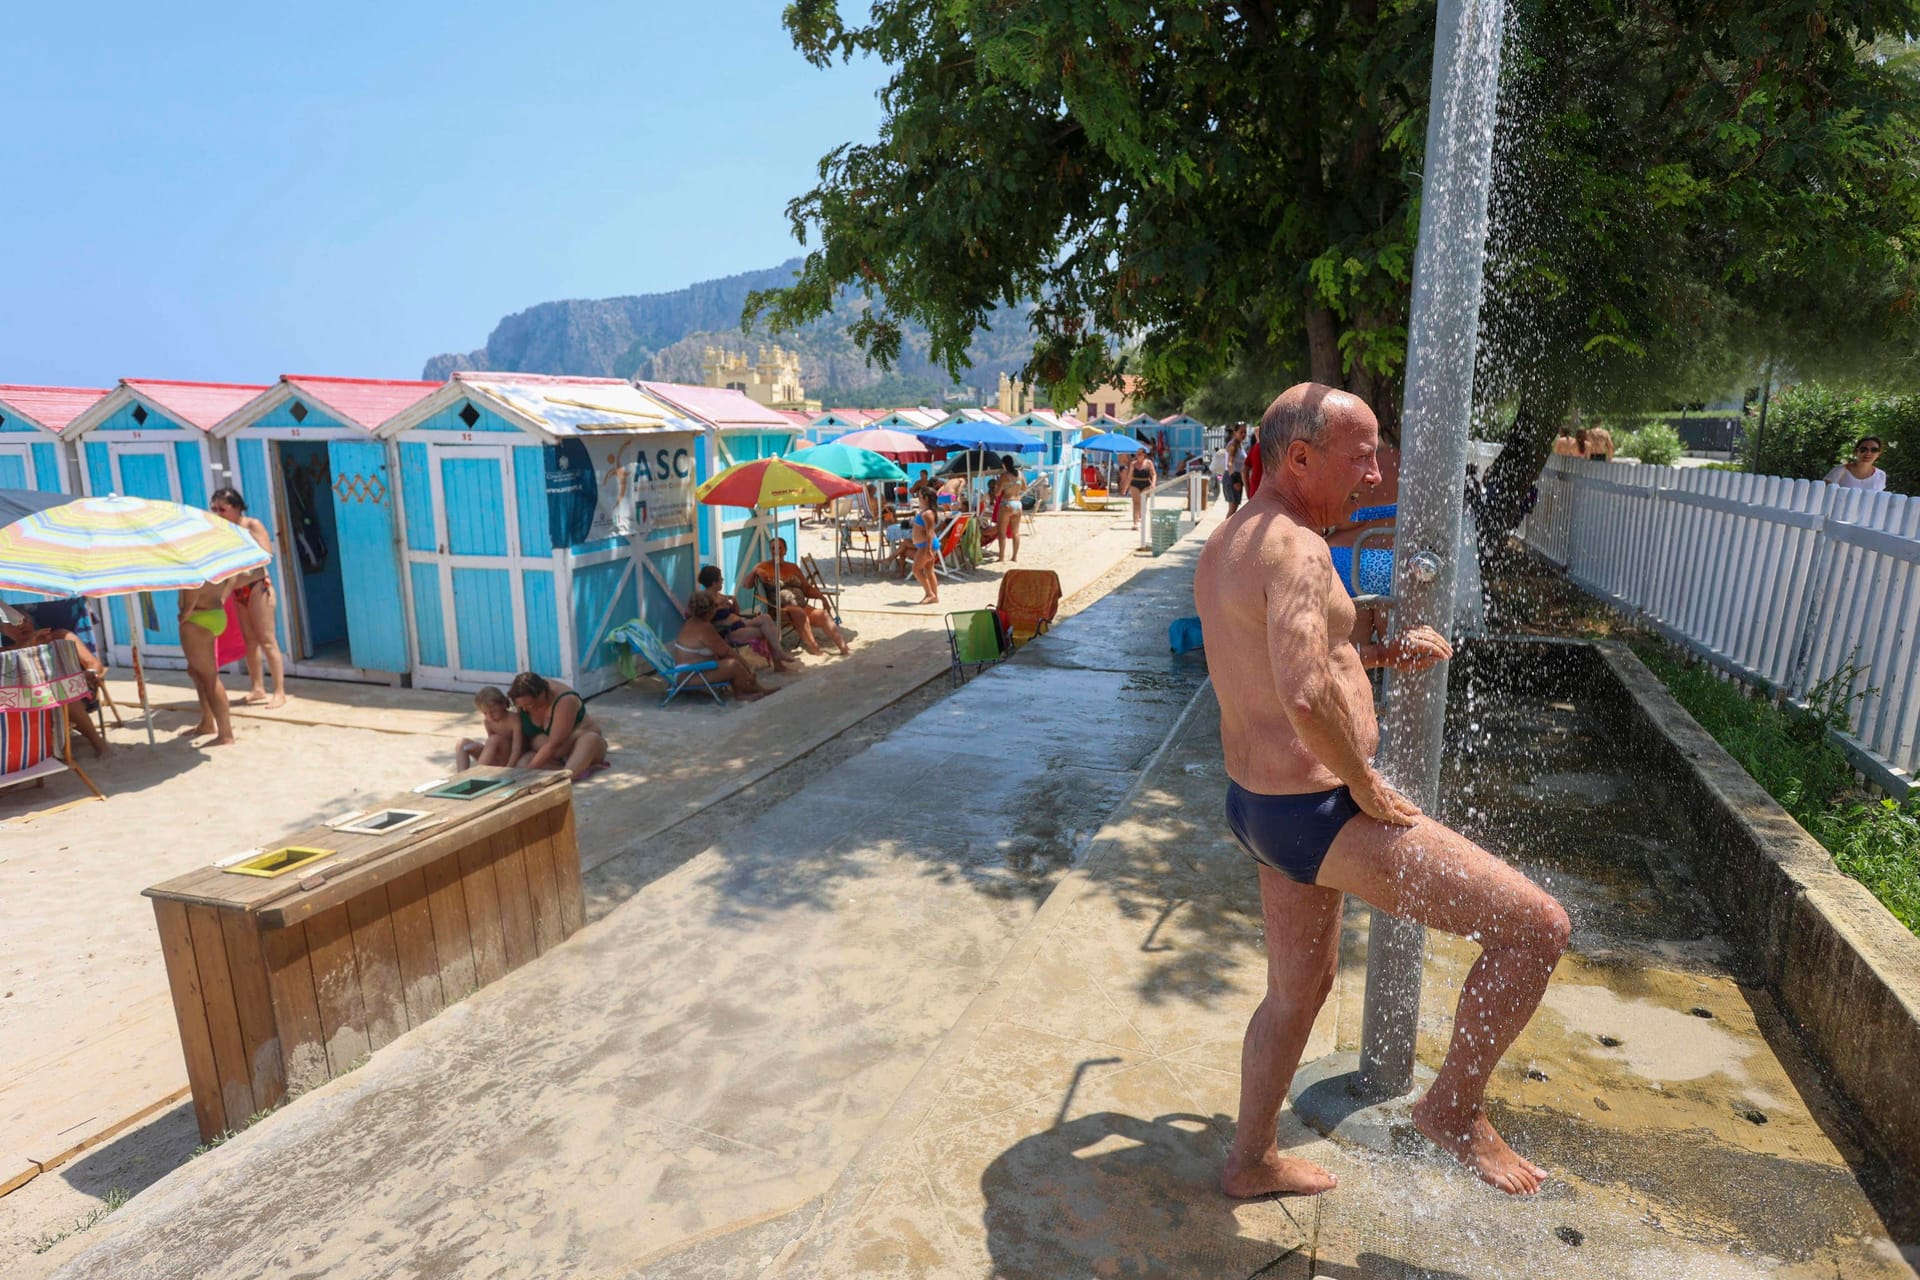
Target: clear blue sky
{"points": [[232, 192]]}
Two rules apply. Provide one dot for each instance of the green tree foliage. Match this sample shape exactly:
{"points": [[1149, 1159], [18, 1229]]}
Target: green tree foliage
{"points": [[1197, 179], [1232, 192], [1691, 189]]}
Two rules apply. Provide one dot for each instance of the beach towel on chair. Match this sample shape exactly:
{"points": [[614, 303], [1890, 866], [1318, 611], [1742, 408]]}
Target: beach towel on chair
{"points": [[1029, 598]]}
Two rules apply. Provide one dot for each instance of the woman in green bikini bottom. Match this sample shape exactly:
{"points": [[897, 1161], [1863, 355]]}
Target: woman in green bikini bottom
{"points": [[203, 617], [555, 731]]}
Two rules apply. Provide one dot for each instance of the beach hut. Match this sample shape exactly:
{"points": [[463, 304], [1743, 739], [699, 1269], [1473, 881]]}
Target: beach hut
{"points": [[1058, 464], [912, 421], [538, 513], [149, 438], [1185, 435], [738, 429], [838, 422], [306, 458], [33, 452]]}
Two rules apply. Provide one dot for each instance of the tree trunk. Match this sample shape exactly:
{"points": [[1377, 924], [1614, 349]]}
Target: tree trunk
{"points": [[1323, 348], [1529, 443]]}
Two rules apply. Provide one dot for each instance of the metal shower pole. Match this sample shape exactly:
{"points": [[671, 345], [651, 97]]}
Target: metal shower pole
{"points": [[1442, 341]]}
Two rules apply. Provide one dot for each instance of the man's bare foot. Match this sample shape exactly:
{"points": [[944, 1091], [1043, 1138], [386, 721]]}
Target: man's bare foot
{"points": [[216, 742], [1473, 1141], [1274, 1174], [200, 730], [277, 701], [252, 698], [845, 651]]}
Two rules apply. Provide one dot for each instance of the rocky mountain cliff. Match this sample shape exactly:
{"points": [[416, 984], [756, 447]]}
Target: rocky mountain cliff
{"points": [[664, 335]]}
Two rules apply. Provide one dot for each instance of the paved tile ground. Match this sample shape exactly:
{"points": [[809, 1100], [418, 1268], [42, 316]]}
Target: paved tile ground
{"points": [[709, 1055], [87, 1036], [1075, 1122]]}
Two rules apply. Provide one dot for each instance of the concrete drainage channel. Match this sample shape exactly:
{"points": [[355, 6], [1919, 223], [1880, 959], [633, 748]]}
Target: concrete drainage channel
{"points": [[1844, 970]]}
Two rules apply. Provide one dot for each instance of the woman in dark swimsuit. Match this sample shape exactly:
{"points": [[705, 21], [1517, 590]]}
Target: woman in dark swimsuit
{"points": [[555, 731], [736, 626], [1140, 482]]}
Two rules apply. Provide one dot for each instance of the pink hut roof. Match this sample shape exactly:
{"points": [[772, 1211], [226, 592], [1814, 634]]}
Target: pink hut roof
{"points": [[198, 404], [859, 417], [363, 402], [50, 407], [796, 417], [721, 406]]}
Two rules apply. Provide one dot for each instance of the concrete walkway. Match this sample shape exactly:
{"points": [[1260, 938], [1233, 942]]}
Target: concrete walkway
{"points": [[689, 1076], [1075, 1121], [88, 1042]]}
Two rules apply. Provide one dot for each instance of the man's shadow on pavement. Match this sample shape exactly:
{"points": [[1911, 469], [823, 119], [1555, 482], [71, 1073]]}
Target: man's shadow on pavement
{"points": [[1110, 1194]]}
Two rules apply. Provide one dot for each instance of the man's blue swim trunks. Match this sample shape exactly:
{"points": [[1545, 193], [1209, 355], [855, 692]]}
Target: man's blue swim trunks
{"points": [[1292, 833]]}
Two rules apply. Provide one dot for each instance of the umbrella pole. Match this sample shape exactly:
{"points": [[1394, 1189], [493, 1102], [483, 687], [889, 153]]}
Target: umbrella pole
{"points": [[140, 682]]}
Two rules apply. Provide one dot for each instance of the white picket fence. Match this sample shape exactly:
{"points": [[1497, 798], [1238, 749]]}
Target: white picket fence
{"points": [[1784, 583]]}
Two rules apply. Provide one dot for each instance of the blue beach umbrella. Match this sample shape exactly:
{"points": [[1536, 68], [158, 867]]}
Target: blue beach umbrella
{"points": [[985, 434], [1111, 442]]}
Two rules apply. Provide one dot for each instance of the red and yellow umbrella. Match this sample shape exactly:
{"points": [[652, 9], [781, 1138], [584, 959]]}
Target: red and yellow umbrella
{"points": [[773, 482]]}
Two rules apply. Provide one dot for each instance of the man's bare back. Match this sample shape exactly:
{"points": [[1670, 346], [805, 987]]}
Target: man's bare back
{"points": [[1299, 733]]}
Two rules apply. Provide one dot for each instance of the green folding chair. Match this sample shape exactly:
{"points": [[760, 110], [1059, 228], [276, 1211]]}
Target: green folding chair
{"points": [[976, 639]]}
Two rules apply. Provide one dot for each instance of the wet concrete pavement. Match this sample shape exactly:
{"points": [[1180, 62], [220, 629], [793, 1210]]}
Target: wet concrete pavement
{"points": [[1074, 1123], [690, 1074]]}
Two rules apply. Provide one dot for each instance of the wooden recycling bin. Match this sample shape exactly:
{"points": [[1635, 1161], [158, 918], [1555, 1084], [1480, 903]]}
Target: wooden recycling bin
{"points": [[291, 965]]}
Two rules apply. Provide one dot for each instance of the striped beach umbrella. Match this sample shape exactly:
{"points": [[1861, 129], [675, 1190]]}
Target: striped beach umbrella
{"points": [[898, 445], [773, 482], [767, 483], [117, 546]]}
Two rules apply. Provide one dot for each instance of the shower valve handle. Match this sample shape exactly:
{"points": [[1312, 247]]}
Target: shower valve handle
{"points": [[1424, 567]]}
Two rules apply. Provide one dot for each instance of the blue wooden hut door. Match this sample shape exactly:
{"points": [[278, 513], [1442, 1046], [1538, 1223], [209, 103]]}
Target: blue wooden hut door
{"points": [[363, 531], [147, 471], [16, 467], [469, 606]]}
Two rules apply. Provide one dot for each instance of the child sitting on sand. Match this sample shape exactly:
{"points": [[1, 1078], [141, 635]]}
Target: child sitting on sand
{"points": [[500, 720]]}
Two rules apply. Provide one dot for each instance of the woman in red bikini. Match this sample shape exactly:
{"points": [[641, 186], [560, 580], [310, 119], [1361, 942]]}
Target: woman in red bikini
{"points": [[253, 594]]}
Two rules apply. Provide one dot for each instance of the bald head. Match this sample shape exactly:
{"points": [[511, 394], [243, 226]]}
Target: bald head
{"points": [[1308, 412]]}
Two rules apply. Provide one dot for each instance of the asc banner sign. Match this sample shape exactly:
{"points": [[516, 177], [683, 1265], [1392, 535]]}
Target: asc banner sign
{"points": [[618, 487]]}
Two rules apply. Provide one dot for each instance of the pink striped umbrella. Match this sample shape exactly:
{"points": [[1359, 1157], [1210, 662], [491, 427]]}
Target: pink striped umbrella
{"points": [[898, 445]]}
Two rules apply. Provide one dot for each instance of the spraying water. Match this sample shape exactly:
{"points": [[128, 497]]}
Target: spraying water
{"points": [[1442, 341]]}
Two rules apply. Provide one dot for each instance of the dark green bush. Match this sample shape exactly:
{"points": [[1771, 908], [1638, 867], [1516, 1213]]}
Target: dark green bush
{"points": [[1811, 429], [1657, 444]]}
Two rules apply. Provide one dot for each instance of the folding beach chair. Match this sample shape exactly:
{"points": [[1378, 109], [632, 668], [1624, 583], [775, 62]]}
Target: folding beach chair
{"points": [[639, 637], [976, 639], [810, 570], [1029, 598], [946, 548], [75, 614]]}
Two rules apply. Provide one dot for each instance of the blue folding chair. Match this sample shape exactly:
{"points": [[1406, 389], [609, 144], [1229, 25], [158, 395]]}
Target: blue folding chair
{"points": [[639, 638]]}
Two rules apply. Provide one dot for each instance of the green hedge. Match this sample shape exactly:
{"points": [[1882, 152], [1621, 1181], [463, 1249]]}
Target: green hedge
{"points": [[1788, 752], [1811, 429], [1655, 444]]}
